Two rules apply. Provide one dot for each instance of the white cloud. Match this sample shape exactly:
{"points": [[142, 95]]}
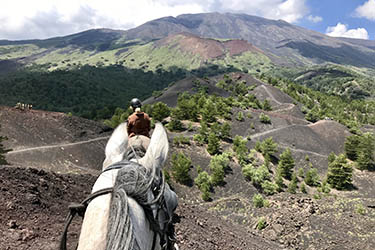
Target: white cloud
{"points": [[22, 19], [287, 10], [367, 10], [341, 30], [315, 19]]}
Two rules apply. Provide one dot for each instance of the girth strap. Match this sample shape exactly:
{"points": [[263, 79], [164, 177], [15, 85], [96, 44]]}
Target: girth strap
{"points": [[80, 209]]}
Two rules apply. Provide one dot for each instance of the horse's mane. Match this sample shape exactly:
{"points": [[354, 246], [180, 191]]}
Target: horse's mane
{"points": [[133, 180]]}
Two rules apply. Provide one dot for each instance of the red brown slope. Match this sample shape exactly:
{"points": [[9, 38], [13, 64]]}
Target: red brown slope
{"points": [[207, 48]]}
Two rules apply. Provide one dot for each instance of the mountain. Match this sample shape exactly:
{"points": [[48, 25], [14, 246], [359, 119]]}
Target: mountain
{"points": [[170, 48], [290, 43]]}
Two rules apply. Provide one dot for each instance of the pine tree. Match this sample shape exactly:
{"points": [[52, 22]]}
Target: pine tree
{"points": [[339, 174], [268, 147], [366, 158], [180, 168], [286, 164], [292, 188], [3, 151], [160, 111], [351, 147], [213, 146]]}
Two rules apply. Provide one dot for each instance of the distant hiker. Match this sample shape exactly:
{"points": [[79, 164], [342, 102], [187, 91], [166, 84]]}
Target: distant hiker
{"points": [[139, 123]]}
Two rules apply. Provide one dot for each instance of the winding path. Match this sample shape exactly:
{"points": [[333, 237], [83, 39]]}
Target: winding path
{"points": [[57, 145]]}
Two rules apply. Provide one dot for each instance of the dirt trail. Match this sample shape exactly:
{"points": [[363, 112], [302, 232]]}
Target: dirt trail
{"points": [[57, 145]]}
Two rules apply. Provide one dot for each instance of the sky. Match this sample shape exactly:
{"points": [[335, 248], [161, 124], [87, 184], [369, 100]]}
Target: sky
{"points": [[41, 19]]}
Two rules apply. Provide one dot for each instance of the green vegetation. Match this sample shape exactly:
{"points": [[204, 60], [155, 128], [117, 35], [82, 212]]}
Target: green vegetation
{"points": [[203, 182], [88, 91], [339, 174], [218, 164], [286, 164], [264, 118], [3, 151], [213, 146], [259, 201], [361, 149], [262, 223], [293, 185], [180, 140], [312, 177], [181, 167]]}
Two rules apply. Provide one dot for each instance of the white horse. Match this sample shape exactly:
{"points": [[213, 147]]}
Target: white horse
{"points": [[130, 229]]}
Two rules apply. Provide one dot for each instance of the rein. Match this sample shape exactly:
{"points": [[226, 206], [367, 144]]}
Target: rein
{"points": [[80, 208]]}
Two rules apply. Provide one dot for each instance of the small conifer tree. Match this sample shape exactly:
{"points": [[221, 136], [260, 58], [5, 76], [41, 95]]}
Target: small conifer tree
{"points": [[292, 188], [286, 164], [213, 146], [339, 174], [180, 168]]}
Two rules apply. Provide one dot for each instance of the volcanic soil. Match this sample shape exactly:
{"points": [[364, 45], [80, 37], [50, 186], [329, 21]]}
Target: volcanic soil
{"points": [[34, 198]]}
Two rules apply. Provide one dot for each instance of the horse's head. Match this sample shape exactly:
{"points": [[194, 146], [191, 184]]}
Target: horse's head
{"points": [[156, 153]]}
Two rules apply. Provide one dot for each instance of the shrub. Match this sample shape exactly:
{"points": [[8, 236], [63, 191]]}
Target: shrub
{"points": [[265, 118], [240, 117], [180, 168], [258, 201], [312, 177], [269, 188], [303, 188], [213, 146], [262, 223], [360, 209], [204, 184], [268, 147], [181, 140], [218, 164], [279, 181], [292, 188], [3, 151], [160, 111], [301, 173], [239, 147], [175, 125], [260, 175], [248, 171]]}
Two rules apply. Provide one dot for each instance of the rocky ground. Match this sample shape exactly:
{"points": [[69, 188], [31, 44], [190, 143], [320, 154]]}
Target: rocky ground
{"points": [[56, 159]]}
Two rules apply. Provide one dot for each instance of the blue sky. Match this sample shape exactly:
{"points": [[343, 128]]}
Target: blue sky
{"points": [[40, 19]]}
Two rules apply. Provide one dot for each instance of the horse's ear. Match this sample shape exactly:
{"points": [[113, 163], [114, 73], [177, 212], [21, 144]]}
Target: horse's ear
{"points": [[116, 145], [157, 151]]}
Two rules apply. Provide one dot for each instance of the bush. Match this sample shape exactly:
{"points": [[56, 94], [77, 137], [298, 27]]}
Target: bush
{"points": [[262, 223], [292, 188], [239, 146], [312, 177], [248, 171], [240, 117], [213, 146], [180, 168], [203, 182], [269, 188], [258, 201], [268, 147], [218, 164], [303, 188], [175, 125], [260, 175], [3, 151], [160, 111], [181, 140], [265, 118]]}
